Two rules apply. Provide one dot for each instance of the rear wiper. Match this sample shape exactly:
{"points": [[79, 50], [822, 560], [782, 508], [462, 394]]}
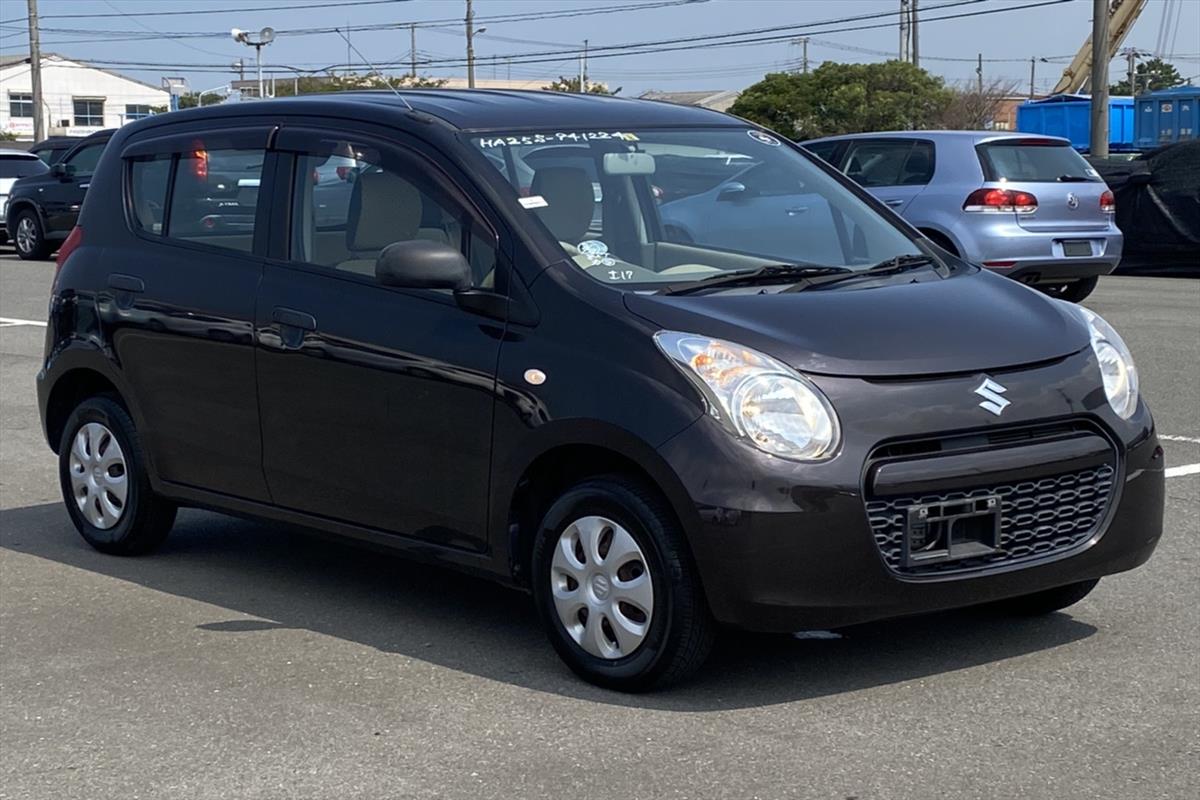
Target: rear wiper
{"points": [[771, 273], [891, 266], [1073, 179]]}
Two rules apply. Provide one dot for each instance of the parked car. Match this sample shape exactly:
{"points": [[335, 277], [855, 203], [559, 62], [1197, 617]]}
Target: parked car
{"points": [[43, 207], [52, 149], [655, 437], [1028, 207], [14, 164]]}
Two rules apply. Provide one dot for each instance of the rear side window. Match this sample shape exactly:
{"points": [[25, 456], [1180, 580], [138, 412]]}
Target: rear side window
{"points": [[215, 196], [890, 163], [823, 150], [1033, 161], [148, 192], [20, 167]]}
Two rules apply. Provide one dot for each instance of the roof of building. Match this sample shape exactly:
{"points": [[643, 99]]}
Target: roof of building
{"points": [[8, 61], [508, 110], [707, 98]]}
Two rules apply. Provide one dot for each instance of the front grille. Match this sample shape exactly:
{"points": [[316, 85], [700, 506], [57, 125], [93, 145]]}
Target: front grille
{"points": [[1037, 517]]}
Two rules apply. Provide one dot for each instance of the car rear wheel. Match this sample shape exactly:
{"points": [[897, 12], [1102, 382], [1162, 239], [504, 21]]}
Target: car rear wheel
{"points": [[1075, 291], [29, 238], [1047, 602], [616, 588], [104, 481]]}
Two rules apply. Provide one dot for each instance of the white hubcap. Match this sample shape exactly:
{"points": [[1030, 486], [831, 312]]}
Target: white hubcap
{"points": [[601, 587], [99, 479]]}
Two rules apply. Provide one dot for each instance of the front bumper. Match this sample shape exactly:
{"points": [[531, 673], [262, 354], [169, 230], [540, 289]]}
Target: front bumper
{"points": [[782, 546]]}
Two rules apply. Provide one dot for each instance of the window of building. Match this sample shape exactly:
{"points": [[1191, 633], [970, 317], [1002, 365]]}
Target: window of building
{"points": [[133, 112], [89, 112], [20, 105]]}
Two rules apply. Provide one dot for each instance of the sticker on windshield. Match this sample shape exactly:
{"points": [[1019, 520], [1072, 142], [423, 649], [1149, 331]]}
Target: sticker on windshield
{"points": [[556, 138], [596, 252], [763, 138], [533, 201]]}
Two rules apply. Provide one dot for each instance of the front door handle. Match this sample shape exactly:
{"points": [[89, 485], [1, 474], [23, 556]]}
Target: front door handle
{"points": [[893, 203], [294, 319], [126, 283], [791, 212]]}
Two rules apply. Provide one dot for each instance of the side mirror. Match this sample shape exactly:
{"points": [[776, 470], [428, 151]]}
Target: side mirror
{"points": [[422, 264], [731, 191]]}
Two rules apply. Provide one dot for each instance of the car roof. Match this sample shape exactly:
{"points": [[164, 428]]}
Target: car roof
{"points": [[974, 136], [484, 109]]}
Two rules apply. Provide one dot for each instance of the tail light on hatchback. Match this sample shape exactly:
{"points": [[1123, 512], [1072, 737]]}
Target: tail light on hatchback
{"points": [[1108, 203], [1000, 200]]}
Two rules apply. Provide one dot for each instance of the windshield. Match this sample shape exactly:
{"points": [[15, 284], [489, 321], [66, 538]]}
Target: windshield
{"points": [[676, 206], [1034, 160]]}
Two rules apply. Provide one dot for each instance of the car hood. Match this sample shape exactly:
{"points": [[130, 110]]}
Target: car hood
{"points": [[967, 323]]}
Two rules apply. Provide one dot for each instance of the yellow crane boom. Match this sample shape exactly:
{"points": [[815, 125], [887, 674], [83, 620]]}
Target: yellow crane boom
{"points": [[1121, 16]]}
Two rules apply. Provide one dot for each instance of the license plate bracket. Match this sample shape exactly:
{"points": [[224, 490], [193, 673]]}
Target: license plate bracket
{"points": [[1076, 247], [952, 530]]}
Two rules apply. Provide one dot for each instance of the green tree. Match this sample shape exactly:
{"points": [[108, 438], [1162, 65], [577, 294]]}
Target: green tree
{"points": [[565, 84], [845, 98], [1150, 76], [319, 84]]}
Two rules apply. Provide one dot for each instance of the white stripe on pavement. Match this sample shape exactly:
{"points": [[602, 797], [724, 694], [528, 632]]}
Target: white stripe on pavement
{"points": [[6, 322], [1186, 469], [1192, 439]]}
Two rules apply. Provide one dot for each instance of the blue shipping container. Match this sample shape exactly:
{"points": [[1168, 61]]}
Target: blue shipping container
{"points": [[1070, 116], [1168, 115]]}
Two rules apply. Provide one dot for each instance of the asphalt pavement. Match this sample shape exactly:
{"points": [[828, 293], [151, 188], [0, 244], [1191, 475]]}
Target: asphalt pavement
{"points": [[245, 660]]}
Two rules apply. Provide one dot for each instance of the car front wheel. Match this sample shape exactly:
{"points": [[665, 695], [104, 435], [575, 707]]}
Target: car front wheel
{"points": [[616, 588], [102, 469], [28, 236]]}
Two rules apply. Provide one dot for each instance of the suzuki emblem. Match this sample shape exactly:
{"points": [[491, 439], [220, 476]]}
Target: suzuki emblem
{"points": [[1072, 201], [993, 396]]}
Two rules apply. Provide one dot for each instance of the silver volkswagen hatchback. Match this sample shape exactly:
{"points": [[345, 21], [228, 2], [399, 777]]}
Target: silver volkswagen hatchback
{"points": [[1022, 205]]}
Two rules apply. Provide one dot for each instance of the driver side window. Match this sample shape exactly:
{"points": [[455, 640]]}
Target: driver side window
{"points": [[83, 162]]}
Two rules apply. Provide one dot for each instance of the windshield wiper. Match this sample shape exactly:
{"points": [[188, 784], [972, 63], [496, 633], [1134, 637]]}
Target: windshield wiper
{"points": [[891, 266], [771, 273]]}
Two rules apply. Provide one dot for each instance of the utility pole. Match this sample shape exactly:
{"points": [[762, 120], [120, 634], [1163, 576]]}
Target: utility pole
{"points": [[803, 42], [1131, 57], [470, 46], [583, 70], [916, 47], [1099, 137], [1032, 72], [35, 73], [904, 30], [979, 73], [412, 37]]}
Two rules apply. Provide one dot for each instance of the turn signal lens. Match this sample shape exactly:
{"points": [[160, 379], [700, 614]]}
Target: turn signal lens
{"points": [[1000, 200]]}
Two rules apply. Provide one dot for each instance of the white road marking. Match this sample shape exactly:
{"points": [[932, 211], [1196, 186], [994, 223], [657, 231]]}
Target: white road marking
{"points": [[1186, 469], [8, 322], [1192, 439]]}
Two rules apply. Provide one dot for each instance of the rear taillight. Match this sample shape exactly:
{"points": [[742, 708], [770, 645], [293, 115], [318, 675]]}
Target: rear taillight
{"points": [[200, 164], [1108, 203], [69, 245], [997, 200]]}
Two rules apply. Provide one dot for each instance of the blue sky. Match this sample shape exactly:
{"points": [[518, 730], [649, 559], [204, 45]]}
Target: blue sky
{"points": [[1006, 40]]}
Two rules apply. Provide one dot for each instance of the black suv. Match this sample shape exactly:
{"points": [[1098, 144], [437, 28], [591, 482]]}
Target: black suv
{"points": [[509, 364], [42, 208]]}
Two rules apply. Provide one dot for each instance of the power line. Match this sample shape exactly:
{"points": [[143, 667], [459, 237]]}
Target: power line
{"points": [[190, 11]]}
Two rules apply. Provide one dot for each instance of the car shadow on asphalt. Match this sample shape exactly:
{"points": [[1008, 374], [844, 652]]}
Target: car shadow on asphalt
{"points": [[289, 579]]}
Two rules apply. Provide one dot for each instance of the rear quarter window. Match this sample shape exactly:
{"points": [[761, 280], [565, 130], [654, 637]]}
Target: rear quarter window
{"points": [[1033, 161], [148, 178]]}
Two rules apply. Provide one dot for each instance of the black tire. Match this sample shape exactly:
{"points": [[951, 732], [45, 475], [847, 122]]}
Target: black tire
{"points": [[36, 250], [681, 629], [145, 518], [1075, 291], [1046, 602]]}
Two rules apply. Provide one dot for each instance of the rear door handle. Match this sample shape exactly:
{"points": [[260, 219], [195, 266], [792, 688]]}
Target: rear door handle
{"points": [[126, 283], [294, 319], [791, 212]]}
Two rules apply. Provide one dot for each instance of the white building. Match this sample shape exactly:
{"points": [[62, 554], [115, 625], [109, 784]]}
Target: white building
{"points": [[78, 98]]}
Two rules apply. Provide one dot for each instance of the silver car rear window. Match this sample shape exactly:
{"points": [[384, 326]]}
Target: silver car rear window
{"points": [[1033, 161]]}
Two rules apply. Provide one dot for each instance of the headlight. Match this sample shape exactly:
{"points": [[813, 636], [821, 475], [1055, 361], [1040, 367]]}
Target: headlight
{"points": [[755, 397], [1116, 364]]}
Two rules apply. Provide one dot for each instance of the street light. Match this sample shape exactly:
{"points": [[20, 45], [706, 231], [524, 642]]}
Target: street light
{"points": [[265, 37]]}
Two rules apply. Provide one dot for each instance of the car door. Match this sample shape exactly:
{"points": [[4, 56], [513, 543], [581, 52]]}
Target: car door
{"points": [[61, 199], [894, 170], [182, 294], [376, 402]]}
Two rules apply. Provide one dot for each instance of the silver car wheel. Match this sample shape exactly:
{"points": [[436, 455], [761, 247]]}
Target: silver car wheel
{"points": [[26, 234], [99, 477], [601, 586]]}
